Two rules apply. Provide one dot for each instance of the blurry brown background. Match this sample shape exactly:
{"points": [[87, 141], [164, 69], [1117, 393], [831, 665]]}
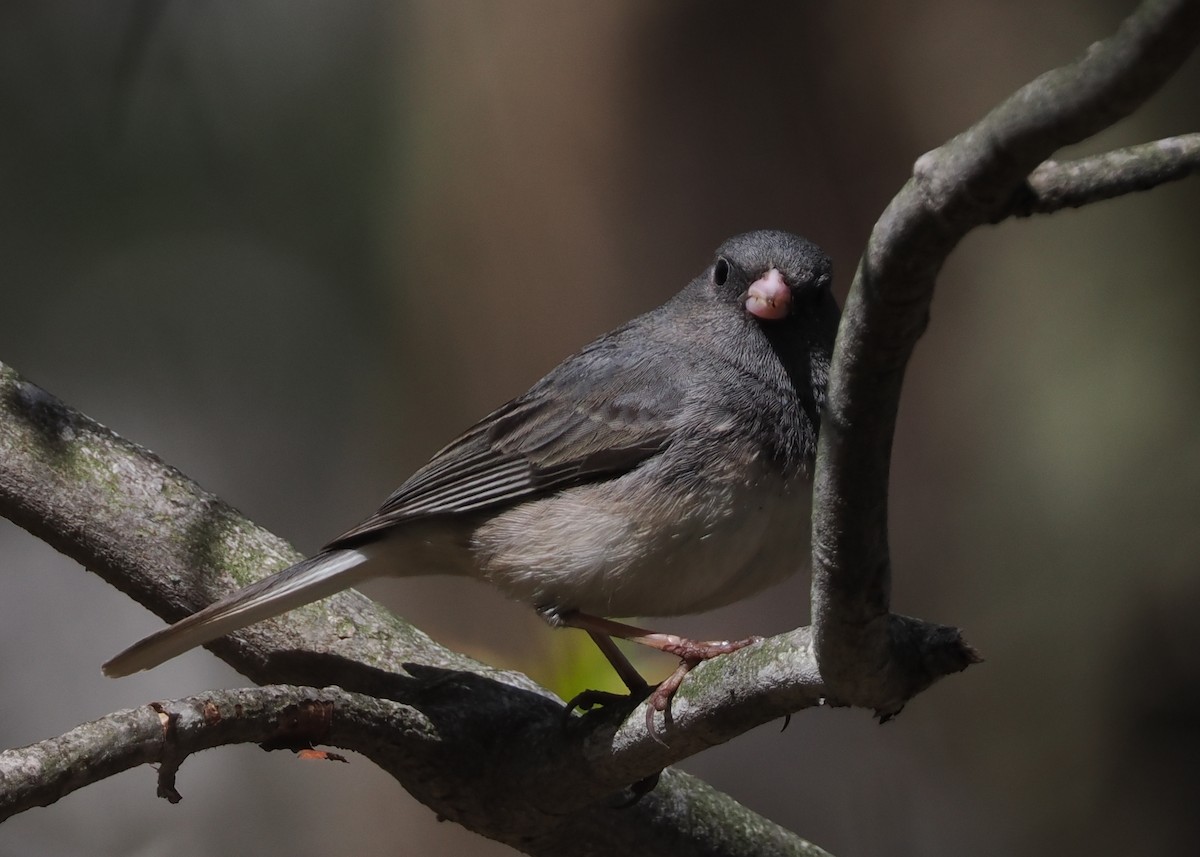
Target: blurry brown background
{"points": [[293, 248]]}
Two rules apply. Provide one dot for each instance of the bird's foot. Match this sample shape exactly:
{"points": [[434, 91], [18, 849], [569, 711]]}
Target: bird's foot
{"points": [[691, 653], [587, 700], [699, 650]]}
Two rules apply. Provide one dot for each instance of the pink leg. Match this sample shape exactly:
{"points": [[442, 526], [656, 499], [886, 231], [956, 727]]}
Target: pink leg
{"points": [[627, 671], [689, 652]]}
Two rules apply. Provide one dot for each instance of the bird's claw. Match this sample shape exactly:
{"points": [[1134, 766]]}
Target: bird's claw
{"points": [[704, 650], [587, 700], [691, 653]]}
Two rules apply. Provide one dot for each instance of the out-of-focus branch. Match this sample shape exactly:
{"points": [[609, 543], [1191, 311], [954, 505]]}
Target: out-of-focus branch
{"points": [[145, 527], [869, 656]]}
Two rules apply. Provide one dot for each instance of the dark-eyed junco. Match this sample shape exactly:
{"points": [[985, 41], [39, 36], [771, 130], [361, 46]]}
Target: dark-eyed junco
{"points": [[664, 469]]}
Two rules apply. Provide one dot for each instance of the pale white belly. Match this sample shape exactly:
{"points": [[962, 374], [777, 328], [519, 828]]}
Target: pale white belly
{"points": [[610, 550]]}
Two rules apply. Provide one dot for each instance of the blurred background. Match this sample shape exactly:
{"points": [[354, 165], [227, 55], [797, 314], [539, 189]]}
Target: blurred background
{"points": [[294, 248]]}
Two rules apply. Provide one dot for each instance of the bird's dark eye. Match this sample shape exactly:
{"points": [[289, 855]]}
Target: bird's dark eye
{"points": [[721, 271]]}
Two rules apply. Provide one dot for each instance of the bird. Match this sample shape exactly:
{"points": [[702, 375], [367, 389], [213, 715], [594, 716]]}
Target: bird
{"points": [[664, 469]]}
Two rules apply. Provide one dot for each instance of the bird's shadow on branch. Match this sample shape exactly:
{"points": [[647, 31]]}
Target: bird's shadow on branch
{"points": [[457, 702], [503, 732]]}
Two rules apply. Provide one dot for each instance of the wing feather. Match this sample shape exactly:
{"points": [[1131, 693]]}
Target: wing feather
{"points": [[561, 433]]}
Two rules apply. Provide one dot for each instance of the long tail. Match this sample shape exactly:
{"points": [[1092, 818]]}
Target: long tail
{"points": [[300, 584]]}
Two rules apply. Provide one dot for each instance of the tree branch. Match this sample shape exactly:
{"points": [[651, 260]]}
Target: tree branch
{"points": [[165, 733], [428, 715], [868, 656], [1056, 185], [390, 733]]}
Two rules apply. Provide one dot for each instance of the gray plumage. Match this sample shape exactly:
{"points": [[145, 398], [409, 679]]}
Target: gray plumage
{"points": [[663, 469]]}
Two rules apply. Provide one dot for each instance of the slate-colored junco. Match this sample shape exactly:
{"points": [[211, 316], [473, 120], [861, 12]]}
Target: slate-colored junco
{"points": [[664, 469]]}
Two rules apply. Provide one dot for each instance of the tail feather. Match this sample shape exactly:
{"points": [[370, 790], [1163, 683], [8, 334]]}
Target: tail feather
{"points": [[302, 583]]}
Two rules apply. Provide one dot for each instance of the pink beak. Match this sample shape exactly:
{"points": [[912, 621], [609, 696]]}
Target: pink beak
{"points": [[768, 297]]}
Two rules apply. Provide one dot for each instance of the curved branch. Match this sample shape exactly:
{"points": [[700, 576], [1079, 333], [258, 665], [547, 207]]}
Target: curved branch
{"points": [[868, 656]]}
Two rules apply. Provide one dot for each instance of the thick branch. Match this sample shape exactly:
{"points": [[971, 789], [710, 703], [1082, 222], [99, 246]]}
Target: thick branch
{"points": [[85, 490], [869, 657]]}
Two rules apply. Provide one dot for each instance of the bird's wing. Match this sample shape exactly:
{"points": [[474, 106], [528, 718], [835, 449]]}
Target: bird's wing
{"points": [[595, 416]]}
